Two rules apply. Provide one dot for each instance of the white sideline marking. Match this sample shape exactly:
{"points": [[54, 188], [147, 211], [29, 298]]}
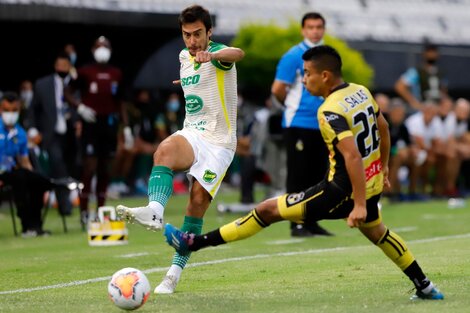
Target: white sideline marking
{"points": [[243, 258], [132, 255], [405, 229], [285, 242], [438, 217]]}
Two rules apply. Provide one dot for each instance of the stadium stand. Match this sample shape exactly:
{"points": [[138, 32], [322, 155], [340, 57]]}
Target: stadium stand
{"points": [[441, 21]]}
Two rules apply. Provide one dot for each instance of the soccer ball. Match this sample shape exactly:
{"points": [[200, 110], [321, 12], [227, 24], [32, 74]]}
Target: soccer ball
{"points": [[129, 288]]}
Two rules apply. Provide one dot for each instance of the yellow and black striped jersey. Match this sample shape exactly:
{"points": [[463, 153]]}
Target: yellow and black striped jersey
{"points": [[350, 110]]}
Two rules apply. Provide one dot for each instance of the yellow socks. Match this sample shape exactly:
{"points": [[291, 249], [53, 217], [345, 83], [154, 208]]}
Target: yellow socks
{"points": [[242, 228], [395, 248]]}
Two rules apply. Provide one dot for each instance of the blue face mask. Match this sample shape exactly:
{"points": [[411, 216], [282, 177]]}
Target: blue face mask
{"points": [[73, 58], [173, 106]]}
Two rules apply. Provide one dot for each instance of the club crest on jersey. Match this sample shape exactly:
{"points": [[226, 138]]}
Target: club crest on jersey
{"points": [[209, 176], [294, 198], [194, 104]]}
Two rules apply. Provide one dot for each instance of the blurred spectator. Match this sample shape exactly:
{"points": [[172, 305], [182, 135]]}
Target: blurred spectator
{"points": [[426, 130], [100, 89], [16, 169], [143, 116], [275, 156], [251, 137], [457, 143], [171, 118], [422, 83], [245, 115], [72, 53], [402, 151], [26, 97], [75, 122], [52, 119], [383, 101], [447, 117]]}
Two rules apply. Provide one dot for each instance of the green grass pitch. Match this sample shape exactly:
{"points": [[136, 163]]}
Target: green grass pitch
{"points": [[266, 273]]}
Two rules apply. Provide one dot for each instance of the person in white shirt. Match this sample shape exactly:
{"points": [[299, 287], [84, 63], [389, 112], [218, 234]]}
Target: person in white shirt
{"points": [[426, 130], [457, 141]]}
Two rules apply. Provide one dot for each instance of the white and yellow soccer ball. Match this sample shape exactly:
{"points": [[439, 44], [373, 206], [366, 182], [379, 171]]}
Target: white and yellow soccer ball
{"points": [[129, 288]]}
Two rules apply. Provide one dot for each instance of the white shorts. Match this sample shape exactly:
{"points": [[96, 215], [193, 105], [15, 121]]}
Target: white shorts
{"points": [[210, 161]]}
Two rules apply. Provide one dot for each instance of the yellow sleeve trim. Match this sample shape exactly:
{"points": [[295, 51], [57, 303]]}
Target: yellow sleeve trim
{"points": [[345, 134]]}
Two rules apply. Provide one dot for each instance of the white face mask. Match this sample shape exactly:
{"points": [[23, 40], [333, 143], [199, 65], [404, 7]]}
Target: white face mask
{"points": [[102, 55], [312, 44], [27, 97], [10, 118]]}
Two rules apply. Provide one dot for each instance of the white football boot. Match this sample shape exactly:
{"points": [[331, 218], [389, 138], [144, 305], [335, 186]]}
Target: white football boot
{"points": [[167, 286], [144, 216]]}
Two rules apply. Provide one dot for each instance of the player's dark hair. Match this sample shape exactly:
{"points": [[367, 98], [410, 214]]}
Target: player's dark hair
{"points": [[10, 96], [326, 58], [313, 16], [195, 13]]}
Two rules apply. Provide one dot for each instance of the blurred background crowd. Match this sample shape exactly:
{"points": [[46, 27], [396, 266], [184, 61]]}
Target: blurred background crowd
{"points": [[415, 53]]}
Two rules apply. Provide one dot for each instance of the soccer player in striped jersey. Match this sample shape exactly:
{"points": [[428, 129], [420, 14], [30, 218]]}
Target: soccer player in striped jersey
{"points": [[358, 140], [206, 145]]}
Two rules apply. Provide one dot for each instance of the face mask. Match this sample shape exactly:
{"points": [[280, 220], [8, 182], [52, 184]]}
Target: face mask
{"points": [[10, 118], [26, 96], [102, 55], [173, 106], [73, 58], [312, 44], [62, 74]]}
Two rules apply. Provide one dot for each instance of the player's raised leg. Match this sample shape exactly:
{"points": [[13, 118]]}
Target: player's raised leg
{"points": [[159, 191], [174, 153], [265, 214]]}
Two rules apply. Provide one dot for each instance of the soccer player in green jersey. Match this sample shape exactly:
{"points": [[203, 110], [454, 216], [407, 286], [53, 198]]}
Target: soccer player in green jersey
{"points": [[206, 145], [358, 140]]}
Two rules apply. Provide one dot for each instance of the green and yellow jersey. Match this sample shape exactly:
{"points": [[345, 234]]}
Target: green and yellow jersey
{"points": [[350, 110], [210, 92]]}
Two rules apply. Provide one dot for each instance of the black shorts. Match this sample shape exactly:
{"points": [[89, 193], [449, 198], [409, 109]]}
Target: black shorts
{"points": [[307, 158], [324, 201], [99, 139]]}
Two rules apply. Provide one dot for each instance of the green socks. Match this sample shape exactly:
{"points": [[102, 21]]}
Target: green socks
{"points": [[160, 190], [160, 184], [191, 225]]}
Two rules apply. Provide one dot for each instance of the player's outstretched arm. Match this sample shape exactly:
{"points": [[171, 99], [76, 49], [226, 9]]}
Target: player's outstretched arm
{"points": [[355, 168], [227, 55]]}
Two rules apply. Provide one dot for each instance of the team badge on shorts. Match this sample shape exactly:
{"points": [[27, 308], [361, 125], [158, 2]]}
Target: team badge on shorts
{"points": [[294, 198], [209, 176]]}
